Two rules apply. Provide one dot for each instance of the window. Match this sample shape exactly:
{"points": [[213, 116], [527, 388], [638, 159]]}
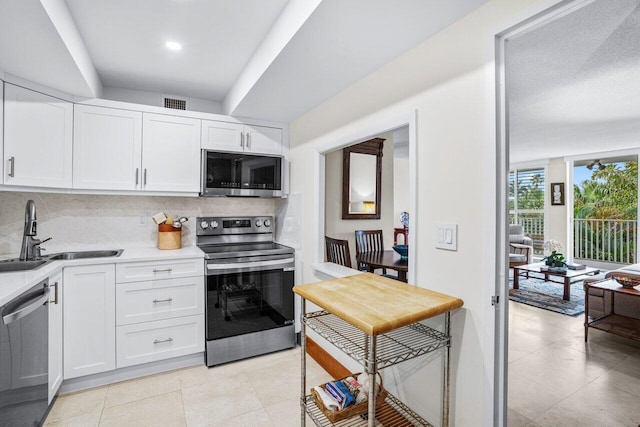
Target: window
{"points": [[526, 203]]}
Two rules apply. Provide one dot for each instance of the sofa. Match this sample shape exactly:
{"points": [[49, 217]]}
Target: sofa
{"points": [[600, 301]]}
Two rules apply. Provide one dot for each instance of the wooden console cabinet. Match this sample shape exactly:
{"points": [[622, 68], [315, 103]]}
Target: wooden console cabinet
{"points": [[611, 321]]}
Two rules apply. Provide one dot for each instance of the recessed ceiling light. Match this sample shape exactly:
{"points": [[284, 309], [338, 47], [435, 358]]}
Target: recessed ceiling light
{"points": [[173, 46]]}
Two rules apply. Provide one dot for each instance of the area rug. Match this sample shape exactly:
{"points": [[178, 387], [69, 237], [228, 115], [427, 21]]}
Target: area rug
{"points": [[547, 295]]}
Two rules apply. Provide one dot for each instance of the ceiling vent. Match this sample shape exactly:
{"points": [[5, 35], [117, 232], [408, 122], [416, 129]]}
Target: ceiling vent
{"points": [[175, 103]]}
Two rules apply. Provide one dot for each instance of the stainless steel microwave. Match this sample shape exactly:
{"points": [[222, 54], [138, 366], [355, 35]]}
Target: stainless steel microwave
{"points": [[240, 175]]}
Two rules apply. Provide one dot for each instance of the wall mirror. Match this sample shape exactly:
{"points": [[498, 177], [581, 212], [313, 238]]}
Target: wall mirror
{"points": [[361, 180]]}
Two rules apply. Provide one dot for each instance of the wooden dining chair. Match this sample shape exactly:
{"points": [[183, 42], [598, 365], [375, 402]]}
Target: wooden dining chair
{"points": [[338, 251], [369, 241]]}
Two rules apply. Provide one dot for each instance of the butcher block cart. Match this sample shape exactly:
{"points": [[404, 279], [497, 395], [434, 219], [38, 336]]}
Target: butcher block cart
{"points": [[375, 320]]}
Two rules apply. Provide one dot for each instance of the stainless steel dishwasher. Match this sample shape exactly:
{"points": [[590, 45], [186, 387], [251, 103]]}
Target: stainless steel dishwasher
{"points": [[24, 356]]}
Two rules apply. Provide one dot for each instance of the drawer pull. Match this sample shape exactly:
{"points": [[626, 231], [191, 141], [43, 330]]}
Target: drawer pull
{"points": [[157, 301], [162, 270], [161, 341]]}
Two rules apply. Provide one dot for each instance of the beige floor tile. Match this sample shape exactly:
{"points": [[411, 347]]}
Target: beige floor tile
{"points": [[625, 376], [529, 398], [89, 403], [526, 342], [516, 419], [589, 364], [595, 405], [201, 374], [214, 402], [258, 418], [85, 420], [549, 374], [281, 381], [142, 388], [286, 414], [162, 410]]}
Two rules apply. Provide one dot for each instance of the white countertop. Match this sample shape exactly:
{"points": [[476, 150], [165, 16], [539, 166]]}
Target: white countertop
{"points": [[14, 283]]}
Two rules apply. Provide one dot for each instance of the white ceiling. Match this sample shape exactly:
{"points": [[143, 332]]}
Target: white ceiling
{"points": [[272, 59], [573, 84]]}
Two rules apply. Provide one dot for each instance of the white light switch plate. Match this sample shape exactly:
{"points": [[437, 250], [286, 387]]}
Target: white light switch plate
{"points": [[447, 236]]}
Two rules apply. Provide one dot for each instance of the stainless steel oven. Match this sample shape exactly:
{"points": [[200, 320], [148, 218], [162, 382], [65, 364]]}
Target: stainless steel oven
{"points": [[239, 174], [249, 281]]}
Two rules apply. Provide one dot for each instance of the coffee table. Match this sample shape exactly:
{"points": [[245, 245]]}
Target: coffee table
{"points": [[566, 277]]}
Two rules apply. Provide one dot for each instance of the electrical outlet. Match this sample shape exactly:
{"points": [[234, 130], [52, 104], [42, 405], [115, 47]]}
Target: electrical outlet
{"points": [[142, 219]]}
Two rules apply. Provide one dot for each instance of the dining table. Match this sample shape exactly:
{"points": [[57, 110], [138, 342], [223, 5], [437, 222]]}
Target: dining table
{"points": [[384, 259]]}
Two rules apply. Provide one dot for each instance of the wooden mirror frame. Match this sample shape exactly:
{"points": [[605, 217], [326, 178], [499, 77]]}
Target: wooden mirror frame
{"points": [[374, 147]]}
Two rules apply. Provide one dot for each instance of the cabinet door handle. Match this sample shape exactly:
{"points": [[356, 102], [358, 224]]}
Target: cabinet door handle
{"points": [[12, 169], [241, 139], [137, 173], [161, 341], [157, 301], [144, 177], [55, 293], [248, 141], [162, 270]]}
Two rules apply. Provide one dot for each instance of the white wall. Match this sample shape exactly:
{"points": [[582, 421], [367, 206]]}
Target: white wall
{"points": [[108, 222], [157, 99], [557, 219], [448, 79], [338, 228], [400, 189]]}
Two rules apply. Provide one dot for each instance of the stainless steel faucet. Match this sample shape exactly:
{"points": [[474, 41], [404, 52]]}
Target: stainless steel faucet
{"points": [[30, 250]]}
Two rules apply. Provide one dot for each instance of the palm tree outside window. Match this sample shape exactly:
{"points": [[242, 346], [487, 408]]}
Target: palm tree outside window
{"points": [[526, 203]]}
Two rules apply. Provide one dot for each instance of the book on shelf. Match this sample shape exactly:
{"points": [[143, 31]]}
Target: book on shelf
{"points": [[573, 266]]}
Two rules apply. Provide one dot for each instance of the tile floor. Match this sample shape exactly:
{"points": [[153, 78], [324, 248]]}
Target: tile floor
{"points": [[555, 379], [263, 391]]}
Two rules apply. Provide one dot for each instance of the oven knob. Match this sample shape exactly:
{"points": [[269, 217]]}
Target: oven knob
{"points": [[267, 223], [204, 225], [214, 224], [258, 223]]}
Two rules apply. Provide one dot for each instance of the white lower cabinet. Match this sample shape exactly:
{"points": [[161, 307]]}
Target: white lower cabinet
{"points": [[89, 320], [160, 310], [151, 341], [159, 299], [55, 334]]}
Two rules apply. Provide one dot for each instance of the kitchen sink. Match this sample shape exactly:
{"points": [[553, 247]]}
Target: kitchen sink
{"points": [[17, 265], [85, 254], [9, 265]]}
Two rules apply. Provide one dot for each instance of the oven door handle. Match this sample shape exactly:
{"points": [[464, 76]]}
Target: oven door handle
{"points": [[287, 262], [34, 304]]}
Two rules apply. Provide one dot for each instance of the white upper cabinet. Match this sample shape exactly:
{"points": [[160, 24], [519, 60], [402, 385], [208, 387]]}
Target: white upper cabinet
{"points": [[107, 148], [236, 137], [38, 132], [262, 139], [222, 136], [170, 153]]}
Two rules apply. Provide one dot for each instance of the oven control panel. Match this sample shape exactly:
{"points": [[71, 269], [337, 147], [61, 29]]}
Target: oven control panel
{"points": [[234, 225]]}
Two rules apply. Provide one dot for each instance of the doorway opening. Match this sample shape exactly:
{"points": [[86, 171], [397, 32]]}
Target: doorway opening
{"points": [[564, 93]]}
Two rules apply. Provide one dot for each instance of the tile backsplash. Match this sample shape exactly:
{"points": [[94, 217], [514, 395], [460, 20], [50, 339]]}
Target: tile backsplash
{"points": [[106, 221]]}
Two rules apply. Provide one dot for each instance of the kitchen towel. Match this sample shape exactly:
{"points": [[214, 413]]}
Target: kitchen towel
{"points": [[328, 402]]}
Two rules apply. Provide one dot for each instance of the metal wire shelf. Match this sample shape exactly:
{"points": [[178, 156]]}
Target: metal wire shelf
{"points": [[393, 347], [393, 413]]}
